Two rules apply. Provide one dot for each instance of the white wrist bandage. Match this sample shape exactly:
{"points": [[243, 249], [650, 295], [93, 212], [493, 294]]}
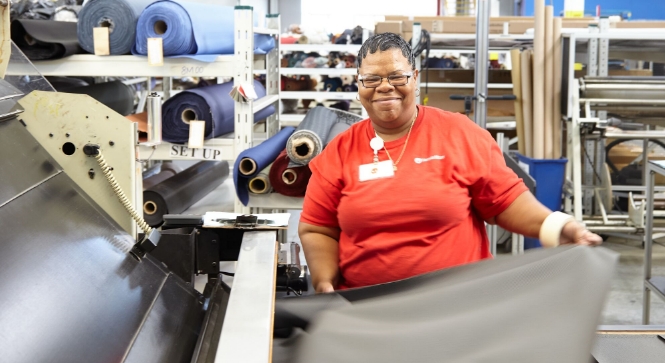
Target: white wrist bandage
{"points": [[550, 231]]}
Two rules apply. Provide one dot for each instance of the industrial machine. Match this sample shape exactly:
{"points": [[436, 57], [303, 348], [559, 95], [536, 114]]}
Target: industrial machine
{"points": [[83, 284]]}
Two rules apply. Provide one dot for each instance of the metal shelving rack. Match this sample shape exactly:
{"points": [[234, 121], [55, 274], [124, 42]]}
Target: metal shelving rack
{"points": [[599, 44], [295, 119], [655, 284], [242, 66]]}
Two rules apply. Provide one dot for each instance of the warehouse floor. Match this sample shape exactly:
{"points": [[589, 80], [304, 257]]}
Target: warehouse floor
{"points": [[623, 306]]}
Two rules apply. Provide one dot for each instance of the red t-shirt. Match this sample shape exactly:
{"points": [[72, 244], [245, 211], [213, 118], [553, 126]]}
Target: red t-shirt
{"points": [[429, 216]]}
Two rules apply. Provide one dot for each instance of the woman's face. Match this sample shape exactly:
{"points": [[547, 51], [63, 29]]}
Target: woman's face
{"points": [[392, 106]]}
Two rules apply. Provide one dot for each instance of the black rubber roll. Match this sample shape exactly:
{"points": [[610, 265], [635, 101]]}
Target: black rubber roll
{"points": [[179, 192], [167, 171], [45, 39], [115, 95]]}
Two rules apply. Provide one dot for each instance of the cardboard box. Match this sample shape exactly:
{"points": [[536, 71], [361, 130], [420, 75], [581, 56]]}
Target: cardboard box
{"points": [[440, 98], [638, 24], [388, 27], [407, 36], [621, 72], [397, 17], [463, 76]]}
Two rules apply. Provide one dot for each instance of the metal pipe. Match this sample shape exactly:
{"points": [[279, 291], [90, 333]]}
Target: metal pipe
{"points": [[622, 101], [481, 74], [653, 135], [154, 103], [648, 243]]}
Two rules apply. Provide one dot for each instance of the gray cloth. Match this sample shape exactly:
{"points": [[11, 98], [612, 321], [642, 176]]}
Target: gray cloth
{"points": [[316, 130], [540, 307]]}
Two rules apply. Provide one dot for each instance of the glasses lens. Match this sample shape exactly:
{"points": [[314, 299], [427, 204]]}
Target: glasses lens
{"points": [[372, 81], [398, 80]]}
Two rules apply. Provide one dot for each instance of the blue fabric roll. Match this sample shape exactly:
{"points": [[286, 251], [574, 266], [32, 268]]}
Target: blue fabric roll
{"points": [[193, 30], [211, 104], [261, 156], [119, 16]]}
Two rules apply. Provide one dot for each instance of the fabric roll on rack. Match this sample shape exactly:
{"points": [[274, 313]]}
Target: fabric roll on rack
{"points": [[179, 192], [115, 95], [120, 16], [260, 184], [45, 39], [252, 161], [289, 180], [190, 29], [314, 133], [167, 170], [211, 104]]}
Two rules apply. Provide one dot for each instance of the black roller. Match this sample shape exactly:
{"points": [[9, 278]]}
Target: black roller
{"points": [[115, 95], [167, 170], [179, 192], [45, 39]]}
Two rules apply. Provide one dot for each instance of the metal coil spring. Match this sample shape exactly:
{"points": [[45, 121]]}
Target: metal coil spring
{"points": [[107, 171]]}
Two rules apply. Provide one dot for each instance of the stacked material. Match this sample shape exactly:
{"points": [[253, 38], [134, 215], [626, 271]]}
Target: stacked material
{"points": [[536, 77], [254, 164], [280, 164], [191, 29], [211, 104], [188, 28], [120, 16]]}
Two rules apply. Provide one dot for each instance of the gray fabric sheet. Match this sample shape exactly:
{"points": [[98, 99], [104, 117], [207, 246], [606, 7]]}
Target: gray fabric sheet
{"points": [[543, 306], [317, 129]]}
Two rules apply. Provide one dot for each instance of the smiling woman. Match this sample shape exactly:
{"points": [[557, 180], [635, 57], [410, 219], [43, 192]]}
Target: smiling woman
{"points": [[408, 191]]}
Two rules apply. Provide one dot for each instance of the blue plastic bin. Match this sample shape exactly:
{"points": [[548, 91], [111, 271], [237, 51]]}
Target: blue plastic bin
{"points": [[549, 175]]}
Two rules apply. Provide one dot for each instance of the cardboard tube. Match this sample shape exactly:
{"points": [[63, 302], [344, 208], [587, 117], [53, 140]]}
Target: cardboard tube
{"points": [[247, 166], [539, 81], [289, 176], [516, 75], [556, 83], [303, 148], [260, 184], [527, 100], [549, 77]]}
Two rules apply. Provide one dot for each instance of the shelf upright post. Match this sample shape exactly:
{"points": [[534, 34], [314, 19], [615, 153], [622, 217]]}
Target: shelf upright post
{"points": [[648, 242], [244, 73], [417, 33], [272, 75], [481, 73]]}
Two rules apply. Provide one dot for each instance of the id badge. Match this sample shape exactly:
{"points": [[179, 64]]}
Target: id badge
{"points": [[380, 170]]}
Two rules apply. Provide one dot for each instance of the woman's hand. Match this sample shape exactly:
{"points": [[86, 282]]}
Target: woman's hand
{"points": [[324, 287], [575, 233]]}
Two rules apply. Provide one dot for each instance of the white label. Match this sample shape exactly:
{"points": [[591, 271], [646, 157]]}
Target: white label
{"points": [[380, 170], [524, 166], [183, 152], [155, 52], [100, 38], [197, 131]]}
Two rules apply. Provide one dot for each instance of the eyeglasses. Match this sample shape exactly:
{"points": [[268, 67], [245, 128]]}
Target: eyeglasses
{"points": [[393, 80]]}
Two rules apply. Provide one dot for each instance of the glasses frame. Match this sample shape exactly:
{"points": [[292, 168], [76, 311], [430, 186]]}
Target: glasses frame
{"points": [[408, 76]]}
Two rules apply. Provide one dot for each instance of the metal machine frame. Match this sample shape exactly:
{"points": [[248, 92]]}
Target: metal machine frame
{"points": [[586, 135]]}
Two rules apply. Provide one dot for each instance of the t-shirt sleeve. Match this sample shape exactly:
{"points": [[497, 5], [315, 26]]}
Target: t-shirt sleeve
{"points": [[496, 186], [323, 193]]}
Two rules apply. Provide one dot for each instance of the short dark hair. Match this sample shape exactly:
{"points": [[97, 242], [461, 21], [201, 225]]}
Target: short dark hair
{"points": [[383, 42]]}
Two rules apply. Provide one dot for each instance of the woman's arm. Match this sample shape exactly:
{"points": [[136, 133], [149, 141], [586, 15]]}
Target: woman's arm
{"points": [[320, 245], [525, 215]]}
